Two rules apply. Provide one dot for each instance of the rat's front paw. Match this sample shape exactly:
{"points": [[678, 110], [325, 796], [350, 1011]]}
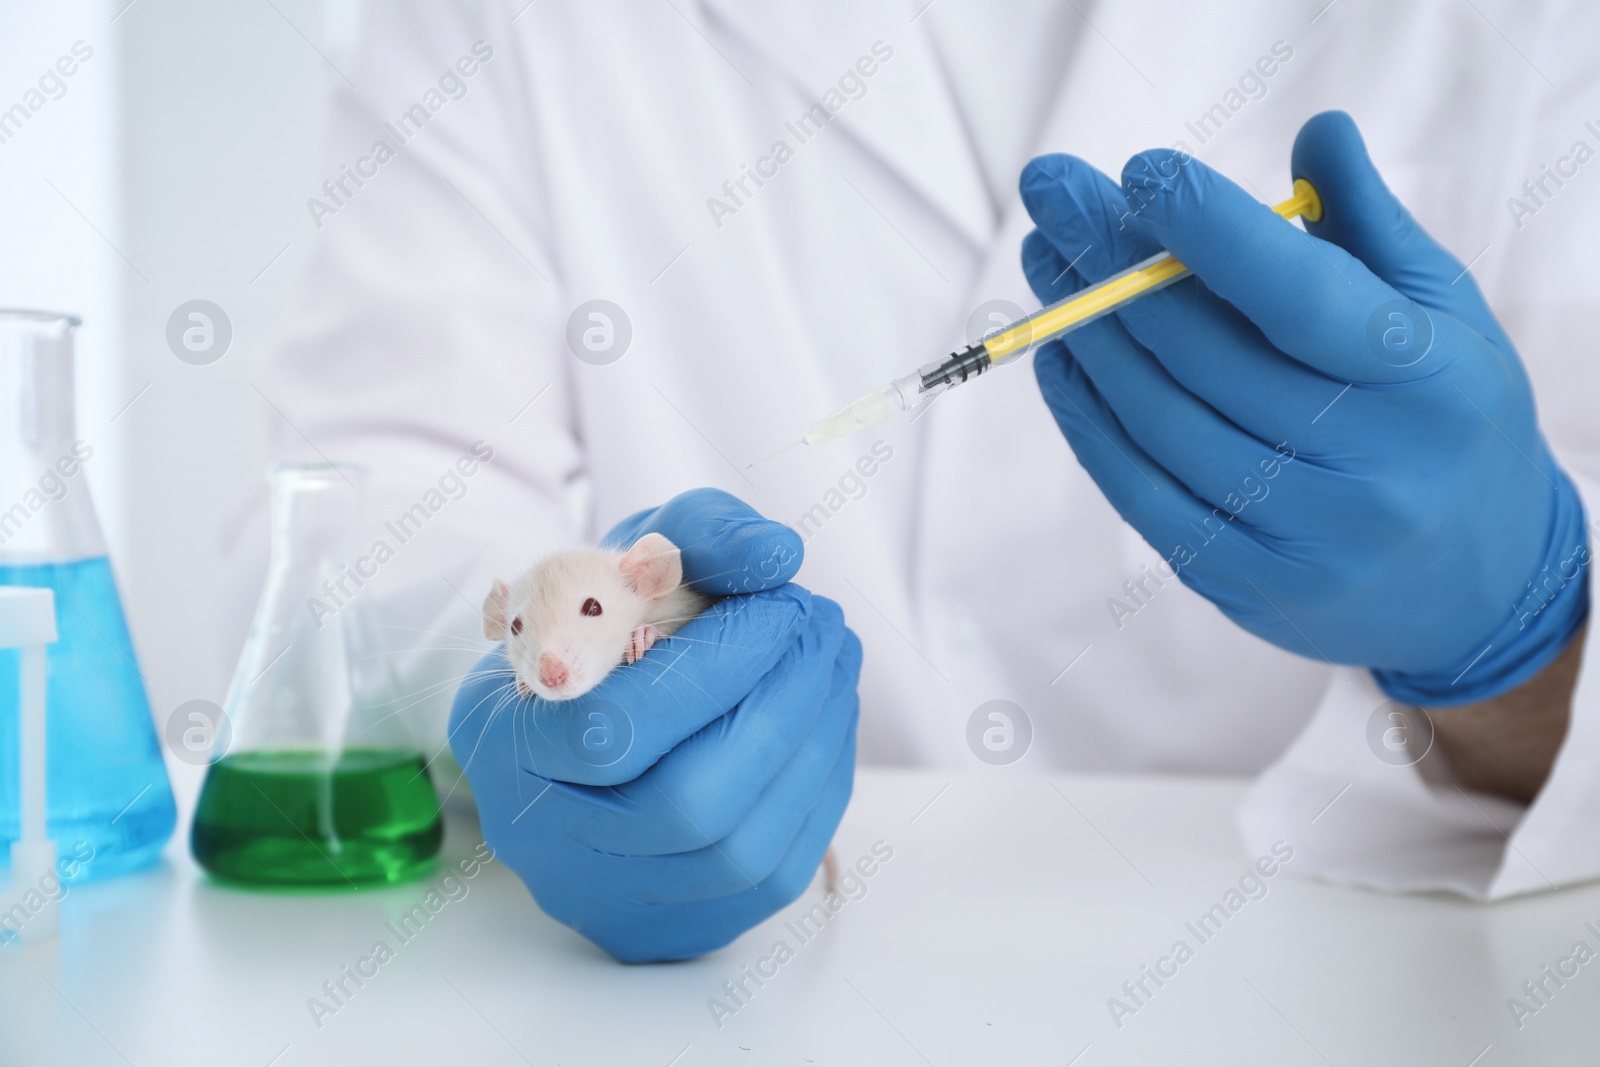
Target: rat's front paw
{"points": [[639, 642]]}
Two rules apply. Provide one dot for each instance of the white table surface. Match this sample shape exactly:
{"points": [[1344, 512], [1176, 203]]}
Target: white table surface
{"points": [[1013, 907]]}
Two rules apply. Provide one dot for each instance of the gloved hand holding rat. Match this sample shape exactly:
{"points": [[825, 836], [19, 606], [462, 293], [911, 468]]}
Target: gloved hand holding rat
{"points": [[663, 807], [1328, 436]]}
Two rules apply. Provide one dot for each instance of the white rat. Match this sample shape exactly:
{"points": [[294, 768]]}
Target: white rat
{"points": [[580, 613]]}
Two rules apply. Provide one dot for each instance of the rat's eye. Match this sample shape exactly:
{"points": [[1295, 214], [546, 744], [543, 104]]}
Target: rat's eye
{"points": [[516, 626], [591, 606]]}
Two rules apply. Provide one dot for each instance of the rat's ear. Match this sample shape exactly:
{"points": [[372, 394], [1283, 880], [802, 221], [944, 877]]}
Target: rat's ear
{"points": [[653, 567], [494, 611]]}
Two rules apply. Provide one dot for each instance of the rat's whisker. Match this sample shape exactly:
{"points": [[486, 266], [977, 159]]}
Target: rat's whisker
{"points": [[475, 746], [416, 651], [379, 721], [668, 667], [644, 688], [450, 733], [420, 697], [708, 641], [434, 688], [454, 679], [677, 618], [448, 736], [518, 726], [474, 638]]}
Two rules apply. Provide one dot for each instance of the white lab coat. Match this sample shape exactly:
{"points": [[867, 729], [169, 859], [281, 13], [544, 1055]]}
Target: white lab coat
{"points": [[587, 160]]}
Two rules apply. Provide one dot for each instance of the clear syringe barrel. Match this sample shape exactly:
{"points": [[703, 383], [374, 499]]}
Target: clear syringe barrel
{"points": [[1085, 306], [1102, 298]]}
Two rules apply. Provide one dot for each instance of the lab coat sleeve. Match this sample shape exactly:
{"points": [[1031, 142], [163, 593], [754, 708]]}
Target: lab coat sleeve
{"points": [[428, 330], [1353, 817]]}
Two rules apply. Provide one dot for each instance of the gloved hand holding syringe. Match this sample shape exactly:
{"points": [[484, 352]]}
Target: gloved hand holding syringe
{"points": [[1005, 345]]}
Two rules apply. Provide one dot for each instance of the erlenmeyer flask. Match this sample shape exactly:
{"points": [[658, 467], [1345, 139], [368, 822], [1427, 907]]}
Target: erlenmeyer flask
{"points": [[107, 787], [316, 782]]}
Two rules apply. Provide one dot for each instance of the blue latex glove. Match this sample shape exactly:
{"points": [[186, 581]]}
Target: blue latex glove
{"points": [[1328, 436], [686, 798]]}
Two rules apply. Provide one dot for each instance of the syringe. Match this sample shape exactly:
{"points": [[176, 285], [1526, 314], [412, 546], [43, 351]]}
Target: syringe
{"points": [[1002, 346]]}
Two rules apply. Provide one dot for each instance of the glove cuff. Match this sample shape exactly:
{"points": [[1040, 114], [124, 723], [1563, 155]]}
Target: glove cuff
{"points": [[1552, 608]]}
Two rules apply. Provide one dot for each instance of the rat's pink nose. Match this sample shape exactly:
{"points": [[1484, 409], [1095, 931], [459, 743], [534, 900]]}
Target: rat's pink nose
{"points": [[552, 672]]}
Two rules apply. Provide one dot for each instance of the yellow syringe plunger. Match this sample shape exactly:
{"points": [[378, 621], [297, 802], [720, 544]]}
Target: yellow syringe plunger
{"points": [[1306, 202], [1157, 272]]}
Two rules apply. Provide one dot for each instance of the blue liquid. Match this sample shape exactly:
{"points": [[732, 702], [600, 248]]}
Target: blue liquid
{"points": [[107, 786]]}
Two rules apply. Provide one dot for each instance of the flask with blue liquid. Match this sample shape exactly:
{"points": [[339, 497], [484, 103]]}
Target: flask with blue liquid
{"points": [[108, 798]]}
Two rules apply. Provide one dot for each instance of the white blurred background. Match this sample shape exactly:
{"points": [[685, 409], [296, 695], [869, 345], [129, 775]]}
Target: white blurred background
{"points": [[175, 166]]}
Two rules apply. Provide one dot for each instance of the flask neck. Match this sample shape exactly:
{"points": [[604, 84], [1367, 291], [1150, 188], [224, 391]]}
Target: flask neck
{"points": [[46, 514], [315, 511], [309, 676]]}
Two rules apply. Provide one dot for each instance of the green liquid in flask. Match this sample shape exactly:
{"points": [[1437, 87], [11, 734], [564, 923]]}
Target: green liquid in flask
{"points": [[301, 818]]}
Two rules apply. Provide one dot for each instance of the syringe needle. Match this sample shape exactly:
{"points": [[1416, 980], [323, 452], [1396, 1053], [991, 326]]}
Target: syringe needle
{"points": [[776, 454]]}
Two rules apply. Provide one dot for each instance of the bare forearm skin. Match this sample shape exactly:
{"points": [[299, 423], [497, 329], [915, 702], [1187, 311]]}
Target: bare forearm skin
{"points": [[1507, 745]]}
